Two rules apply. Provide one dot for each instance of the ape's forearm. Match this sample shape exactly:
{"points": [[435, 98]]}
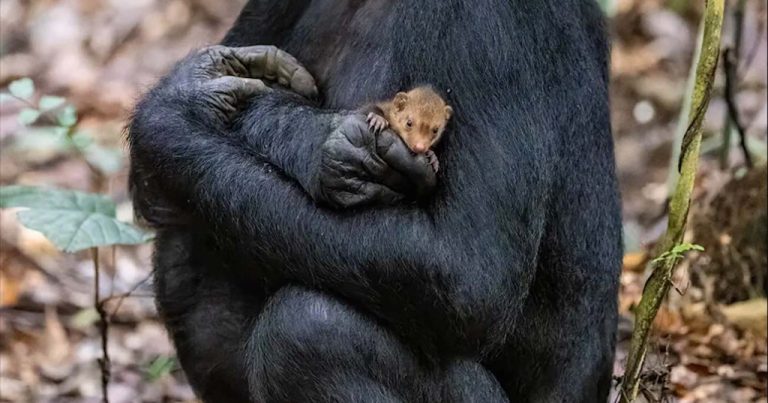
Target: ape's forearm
{"points": [[287, 132], [382, 258], [179, 135], [410, 270]]}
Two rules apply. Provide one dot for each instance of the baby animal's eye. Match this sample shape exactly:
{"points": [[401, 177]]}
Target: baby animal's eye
{"points": [[409, 123], [434, 130]]}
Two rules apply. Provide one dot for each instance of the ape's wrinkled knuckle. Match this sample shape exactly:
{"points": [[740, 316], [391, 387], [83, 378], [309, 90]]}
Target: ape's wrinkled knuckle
{"points": [[218, 50], [353, 130], [271, 50]]}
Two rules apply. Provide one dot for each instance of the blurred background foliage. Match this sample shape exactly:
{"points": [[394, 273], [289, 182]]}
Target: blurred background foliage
{"points": [[97, 56]]}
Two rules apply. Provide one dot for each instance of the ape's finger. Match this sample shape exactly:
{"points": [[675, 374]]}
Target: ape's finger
{"points": [[239, 87], [359, 193], [384, 158], [258, 62], [416, 168], [379, 193], [274, 64], [225, 94], [352, 173]]}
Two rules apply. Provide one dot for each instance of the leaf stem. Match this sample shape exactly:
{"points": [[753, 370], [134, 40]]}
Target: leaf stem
{"points": [[104, 362]]}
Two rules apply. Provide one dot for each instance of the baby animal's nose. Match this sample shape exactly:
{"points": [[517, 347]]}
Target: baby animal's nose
{"points": [[419, 148]]}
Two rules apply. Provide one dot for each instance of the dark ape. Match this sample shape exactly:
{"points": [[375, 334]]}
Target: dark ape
{"points": [[499, 284]]}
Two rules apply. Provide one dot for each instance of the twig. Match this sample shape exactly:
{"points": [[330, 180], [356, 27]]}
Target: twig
{"points": [[104, 363], [121, 297], [48, 117], [730, 63], [658, 284], [725, 144], [736, 37], [731, 57]]}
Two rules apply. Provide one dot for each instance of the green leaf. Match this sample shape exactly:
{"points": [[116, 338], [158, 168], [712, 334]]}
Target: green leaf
{"points": [[72, 220], [42, 139], [48, 102], [59, 131], [67, 117], [81, 140], [160, 366], [23, 88], [608, 6], [757, 147], [677, 252], [106, 160], [28, 116], [85, 318], [685, 247]]}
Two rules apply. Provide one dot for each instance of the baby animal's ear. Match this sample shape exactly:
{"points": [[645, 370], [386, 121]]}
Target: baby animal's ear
{"points": [[448, 112], [401, 99]]}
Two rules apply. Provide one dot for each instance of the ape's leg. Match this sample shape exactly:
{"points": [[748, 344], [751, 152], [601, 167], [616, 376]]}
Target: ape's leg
{"points": [[304, 346], [207, 312], [569, 359], [468, 381], [309, 347]]}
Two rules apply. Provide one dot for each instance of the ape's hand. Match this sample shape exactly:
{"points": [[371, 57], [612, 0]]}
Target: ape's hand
{"points": [[348, 165], [226, 77], [358, 167]]}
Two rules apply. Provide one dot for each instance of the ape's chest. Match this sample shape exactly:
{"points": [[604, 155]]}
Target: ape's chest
{"points": [[360, 51]]}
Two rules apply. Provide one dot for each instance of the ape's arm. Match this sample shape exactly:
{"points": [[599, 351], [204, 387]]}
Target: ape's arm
{"points": [[460, 275], [211, 88], [457, 278]]}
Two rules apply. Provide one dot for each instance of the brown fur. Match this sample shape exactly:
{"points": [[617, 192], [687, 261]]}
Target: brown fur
{"points": [[418, 116]]}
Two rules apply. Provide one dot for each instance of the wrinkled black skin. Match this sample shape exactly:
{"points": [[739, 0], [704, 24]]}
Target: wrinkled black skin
{"points": [[500, 285]]}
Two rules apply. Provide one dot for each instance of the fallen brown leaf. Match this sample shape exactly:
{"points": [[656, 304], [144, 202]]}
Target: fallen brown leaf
{"points": [[635, 261], [751, 316]]}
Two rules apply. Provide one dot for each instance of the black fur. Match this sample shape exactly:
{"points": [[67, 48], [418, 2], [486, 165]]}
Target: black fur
{"points": [[501, 285]]}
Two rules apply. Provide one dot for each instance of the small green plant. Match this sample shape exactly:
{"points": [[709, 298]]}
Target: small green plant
{"points": [[160, 367], [608, 6], [73, 221], [677, 252], [52, 123]]}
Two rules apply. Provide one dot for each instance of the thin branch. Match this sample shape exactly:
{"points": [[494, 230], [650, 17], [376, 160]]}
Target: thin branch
{"points": [[49, 118], [121, 297], [104, 362], [730, 63], [737, 15], [725, 144], [731, 57], [25, 101]]}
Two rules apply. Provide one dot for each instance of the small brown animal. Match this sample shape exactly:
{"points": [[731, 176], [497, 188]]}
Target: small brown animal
{"points": [[418, 116]]}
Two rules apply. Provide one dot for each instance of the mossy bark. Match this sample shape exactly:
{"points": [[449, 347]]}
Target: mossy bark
{"points": [[658, 284]]}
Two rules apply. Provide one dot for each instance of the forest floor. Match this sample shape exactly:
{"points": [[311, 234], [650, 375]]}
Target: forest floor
{"points": [[709, 341]]}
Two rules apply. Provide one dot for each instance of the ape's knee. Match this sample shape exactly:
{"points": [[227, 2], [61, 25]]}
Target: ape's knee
{"points": [[470, 381], [303, 347], [302, 318]]}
